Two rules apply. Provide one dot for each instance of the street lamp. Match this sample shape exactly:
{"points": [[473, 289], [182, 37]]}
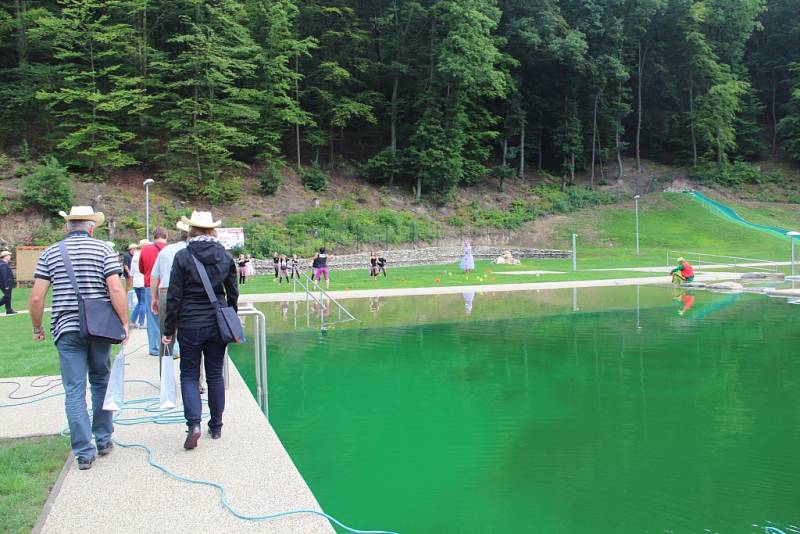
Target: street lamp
{"points": [[636, 201], [147, 183], [792, 235]]}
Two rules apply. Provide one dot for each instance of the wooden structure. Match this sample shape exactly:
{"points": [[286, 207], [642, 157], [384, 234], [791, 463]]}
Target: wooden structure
{"points": [[26, 259]]}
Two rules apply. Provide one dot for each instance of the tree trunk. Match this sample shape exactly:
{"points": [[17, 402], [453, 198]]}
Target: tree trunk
{"points": [[774, 117], [330, 145], [22, 33], [522, 150], [691, 121], [617, 140], [393, 146], [419, 187], [594, 139], [572, 168], [297, 100], [505, 150], [642, 55], [539, 152]]}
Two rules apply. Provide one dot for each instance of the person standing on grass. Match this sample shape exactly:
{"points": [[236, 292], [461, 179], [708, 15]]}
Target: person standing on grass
{"points": [[373, 265], [250, 266], [467, 262], [295, 267], [381, 265], [97, 271], [138, 315], [147, 259], [6, 281], [242, 266], [276, 263], [191, 313], [284, 270], [320, 266]]}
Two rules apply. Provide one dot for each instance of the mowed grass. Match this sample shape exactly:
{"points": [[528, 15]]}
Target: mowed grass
{"points": [[22, 356], [28, 469]]}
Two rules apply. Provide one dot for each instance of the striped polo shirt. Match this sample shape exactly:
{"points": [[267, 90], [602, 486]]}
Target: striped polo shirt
{"points": [[93, 261]]}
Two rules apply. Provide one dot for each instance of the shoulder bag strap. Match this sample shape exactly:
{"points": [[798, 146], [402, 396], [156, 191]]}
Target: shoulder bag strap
{"points": [[201, 270], [62, 246]]}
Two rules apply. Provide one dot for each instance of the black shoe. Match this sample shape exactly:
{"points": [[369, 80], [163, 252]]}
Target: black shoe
{"points": [[12, 312], [85, 463], [215, 434], [192, 435], [103, 450]]}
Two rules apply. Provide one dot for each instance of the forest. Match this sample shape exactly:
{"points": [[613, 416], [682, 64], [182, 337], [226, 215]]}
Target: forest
{"points": [[429, 94]]}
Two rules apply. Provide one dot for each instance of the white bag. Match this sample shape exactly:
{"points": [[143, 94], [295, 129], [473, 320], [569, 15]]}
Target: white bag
{"points": [[169, 396], [115, 392], [132, 301]]}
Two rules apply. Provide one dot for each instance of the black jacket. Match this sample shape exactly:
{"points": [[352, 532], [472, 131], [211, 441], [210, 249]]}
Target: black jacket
{"points": [[188, 305], [6, 276]]}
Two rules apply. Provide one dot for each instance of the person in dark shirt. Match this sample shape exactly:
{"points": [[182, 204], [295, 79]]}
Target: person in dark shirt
{"points": [[6, 281], [373, 265], [276, 263], [381, 266], [191, 313]]}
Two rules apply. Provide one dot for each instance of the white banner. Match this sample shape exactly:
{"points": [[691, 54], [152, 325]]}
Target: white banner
{"points": [[231, 237]]}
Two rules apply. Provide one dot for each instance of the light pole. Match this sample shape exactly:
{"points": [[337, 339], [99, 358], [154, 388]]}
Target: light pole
{"points": [[792, 235], [147, 183], [636, 201], [574, 252]]}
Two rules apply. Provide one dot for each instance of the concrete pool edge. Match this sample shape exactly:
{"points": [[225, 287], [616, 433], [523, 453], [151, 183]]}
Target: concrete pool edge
{"points": [[450, 290], [122, 493]]}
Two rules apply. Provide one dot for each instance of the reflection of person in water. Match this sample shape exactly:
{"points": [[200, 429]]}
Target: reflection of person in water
{"points": [[374, 305], [326, 309], [685, 302], [468, 298], [285, 310]]}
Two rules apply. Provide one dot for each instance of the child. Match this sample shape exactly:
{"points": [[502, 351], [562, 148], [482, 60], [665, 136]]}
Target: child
{"points": [[295, 267], [284, 270]]}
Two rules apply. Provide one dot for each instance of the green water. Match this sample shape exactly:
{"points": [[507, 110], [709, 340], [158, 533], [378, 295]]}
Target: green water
{"points": [[546, 412]]}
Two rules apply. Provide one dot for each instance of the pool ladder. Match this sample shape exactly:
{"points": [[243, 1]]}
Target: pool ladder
{"points": [[259, 353], [314, 293]]}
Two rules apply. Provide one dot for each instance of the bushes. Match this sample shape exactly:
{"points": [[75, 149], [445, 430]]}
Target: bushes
{"points": [[313, 178], [222, 191], [48, 188], [733, 175], [270, 179]]}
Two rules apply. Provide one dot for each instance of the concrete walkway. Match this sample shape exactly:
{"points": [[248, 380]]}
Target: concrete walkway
{"points": [[122, 493], [484, 288]]}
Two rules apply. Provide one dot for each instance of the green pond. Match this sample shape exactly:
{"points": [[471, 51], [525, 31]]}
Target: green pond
{"points": [[593, 410]]}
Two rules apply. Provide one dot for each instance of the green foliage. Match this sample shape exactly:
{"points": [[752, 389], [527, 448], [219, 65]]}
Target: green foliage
{"points": [[5, 161], [270, 178], [222, 190], [733, 175], [313, 178], [48, 188]]}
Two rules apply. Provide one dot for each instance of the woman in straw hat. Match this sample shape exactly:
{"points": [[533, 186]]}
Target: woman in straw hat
{"points": [[191, 313]]}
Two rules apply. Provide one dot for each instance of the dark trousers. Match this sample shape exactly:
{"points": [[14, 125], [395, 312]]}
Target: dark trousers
{"points": [[6, 300], [205, 342]]}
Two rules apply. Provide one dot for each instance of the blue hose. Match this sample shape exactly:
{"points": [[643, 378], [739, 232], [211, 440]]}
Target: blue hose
{"points": [[158, 416]]}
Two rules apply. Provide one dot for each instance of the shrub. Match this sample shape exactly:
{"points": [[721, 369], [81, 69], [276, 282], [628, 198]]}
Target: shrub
{"points": [[313, 178], [48, 188], [733, 175], [270, 178], [5, 161], [222, 191]]}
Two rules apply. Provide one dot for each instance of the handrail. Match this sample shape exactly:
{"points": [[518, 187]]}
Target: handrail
{"points": [[736, 260], [304, 282], [259, 354]]}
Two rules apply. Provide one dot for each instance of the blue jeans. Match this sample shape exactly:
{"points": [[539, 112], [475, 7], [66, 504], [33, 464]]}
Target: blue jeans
{"points": [[137, 317], [194, 343], [153, 330], [77, 356]]}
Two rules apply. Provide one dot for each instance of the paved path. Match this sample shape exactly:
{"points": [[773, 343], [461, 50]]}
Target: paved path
{"points": [[122, 493], [485, 288]]}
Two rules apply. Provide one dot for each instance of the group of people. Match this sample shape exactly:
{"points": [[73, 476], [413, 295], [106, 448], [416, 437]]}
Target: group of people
{"points": [[245, 268], [377, 265], [177, 310], [285, 268]]}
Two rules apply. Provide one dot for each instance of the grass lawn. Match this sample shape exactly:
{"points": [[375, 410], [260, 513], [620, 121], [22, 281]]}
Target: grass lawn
{"points": [[21, 355], [28, 469]]}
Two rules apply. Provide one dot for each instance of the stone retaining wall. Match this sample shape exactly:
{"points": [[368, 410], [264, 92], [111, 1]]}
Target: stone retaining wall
{"points": [[421, 256]]}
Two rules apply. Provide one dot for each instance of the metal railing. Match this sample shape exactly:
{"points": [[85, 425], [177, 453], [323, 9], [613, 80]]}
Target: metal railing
{"points": [[259, 354], [311, 289], [753, 264]]}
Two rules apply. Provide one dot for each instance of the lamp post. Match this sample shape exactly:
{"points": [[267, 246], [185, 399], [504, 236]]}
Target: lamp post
{"points": [[147, 183], [792, 235], [636, 201]]}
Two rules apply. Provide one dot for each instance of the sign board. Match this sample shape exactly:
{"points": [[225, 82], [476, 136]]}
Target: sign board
{"points": [[26, 259], [231, 237]]}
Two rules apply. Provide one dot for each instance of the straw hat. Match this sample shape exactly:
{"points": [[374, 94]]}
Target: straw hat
{"points": [[4, 254], [182, 226], [680, 260], [83, 213], [132, 246], [201, 219], [144, 243]]}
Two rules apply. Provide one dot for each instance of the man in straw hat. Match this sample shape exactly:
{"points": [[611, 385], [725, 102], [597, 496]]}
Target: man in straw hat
{"points": [[191, 313], [6, 281], [97, 271]]}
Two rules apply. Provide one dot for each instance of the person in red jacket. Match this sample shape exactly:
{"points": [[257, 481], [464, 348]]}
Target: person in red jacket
{"points": [[683, 272], [147, 259]]}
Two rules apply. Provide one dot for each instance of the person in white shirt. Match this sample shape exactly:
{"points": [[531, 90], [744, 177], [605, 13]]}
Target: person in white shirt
{"points": [[139, 313], [159, 283]]}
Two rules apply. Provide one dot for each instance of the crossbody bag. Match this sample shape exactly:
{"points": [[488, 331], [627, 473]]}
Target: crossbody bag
{"points": [[99, 321], [230, 327]]}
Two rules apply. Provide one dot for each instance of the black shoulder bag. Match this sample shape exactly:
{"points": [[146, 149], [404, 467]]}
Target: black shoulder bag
{"points": [[98, 319], [230, 327]]}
